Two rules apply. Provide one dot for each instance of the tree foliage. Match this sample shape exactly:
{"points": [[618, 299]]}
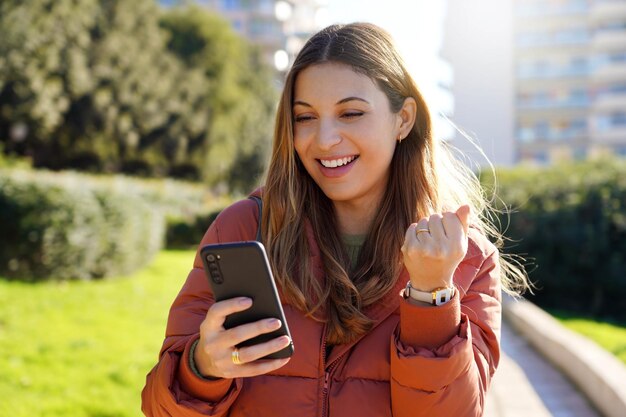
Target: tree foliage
{"points": [[569, 221], [103, 86], [241, 95]]}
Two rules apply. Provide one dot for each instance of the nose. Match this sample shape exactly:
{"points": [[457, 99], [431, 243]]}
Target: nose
{"points": [[328, 135]]}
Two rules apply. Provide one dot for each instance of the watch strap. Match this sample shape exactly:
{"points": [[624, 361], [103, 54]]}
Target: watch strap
{"points": [[435, 297]]}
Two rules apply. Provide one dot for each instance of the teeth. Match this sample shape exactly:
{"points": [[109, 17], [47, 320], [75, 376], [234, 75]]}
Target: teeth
{"points": [[334, 163]]}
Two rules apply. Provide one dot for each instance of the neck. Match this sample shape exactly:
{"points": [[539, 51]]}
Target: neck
{"points": [[355, 218]]}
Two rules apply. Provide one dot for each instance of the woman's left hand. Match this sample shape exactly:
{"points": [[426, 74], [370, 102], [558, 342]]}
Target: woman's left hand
{"points": [[434, 247]]}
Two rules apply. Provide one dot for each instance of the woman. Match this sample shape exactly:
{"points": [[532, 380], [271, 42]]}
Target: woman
{"points": [[389, 285]]}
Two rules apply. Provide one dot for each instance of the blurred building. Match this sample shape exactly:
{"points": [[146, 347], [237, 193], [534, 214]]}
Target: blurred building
{"points": [[305, 19], [477, 43], [279, 27], [539, 80], [570, 67]]}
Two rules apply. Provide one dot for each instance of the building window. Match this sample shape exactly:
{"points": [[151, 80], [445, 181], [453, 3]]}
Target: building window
{"points": [[552, 69], [551, 130], [617, 89], [554, 38], [571, 36], [552, 8], [554, 98], [237, 25], [578, 97], [620, 151], [542, 129], [614, 26], [231, 4], [617, 57], [578, 125], [610, 90], [602, 60], [525, 134], [266, 6], [261, 27], [579, 63], [618, 119], [541, 157], [611, 121]]}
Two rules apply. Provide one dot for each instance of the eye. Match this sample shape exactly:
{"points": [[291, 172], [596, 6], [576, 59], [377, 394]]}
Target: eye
{"points": [[352, 114], [303, 118]]}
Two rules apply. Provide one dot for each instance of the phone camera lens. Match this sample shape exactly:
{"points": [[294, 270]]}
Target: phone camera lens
{"points": [[217, 278], [211, 258]]}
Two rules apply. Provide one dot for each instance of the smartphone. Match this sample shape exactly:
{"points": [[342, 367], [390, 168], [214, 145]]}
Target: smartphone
{"points": [[241, 269]]}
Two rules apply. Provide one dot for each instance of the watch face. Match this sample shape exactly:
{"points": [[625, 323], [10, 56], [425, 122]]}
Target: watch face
{"points": [[442, 296]]}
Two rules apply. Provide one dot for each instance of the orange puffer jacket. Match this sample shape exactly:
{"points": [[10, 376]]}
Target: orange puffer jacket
{"points": [[416, 361]]}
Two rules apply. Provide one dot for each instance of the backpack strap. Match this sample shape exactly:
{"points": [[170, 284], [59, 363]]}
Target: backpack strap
{"points": [[259, 204]]}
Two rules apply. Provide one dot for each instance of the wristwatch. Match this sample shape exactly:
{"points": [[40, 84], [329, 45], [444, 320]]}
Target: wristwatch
{"points": [[436, 297]]}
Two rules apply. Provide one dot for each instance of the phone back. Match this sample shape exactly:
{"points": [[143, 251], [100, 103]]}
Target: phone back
{"points": [[242, 269]]}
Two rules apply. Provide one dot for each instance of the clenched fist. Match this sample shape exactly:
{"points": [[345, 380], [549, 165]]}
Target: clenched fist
{"points": [[434, 247]]}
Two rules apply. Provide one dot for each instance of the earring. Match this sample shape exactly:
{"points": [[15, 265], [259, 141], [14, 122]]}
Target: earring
{"points": [[400, 137]]}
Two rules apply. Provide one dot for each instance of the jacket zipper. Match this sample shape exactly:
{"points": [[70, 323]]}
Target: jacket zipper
{"points": [[327, 375], [325, 395]]}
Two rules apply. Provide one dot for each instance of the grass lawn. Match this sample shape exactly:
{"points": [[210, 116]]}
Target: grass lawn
{"points": [[611, 336], [84, 348], [79, 349]]}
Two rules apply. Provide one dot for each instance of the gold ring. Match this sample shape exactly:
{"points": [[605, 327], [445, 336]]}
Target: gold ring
{"points": [[235, 356], [418, 231]]}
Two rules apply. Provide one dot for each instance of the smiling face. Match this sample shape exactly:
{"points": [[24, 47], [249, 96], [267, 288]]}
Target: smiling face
{"points": [[344, 133]]}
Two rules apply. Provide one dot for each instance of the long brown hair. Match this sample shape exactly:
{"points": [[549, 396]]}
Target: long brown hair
{"points": [[415, 189]]}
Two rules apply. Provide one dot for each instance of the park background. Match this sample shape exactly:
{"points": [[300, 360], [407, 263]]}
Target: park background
{"points": [[125, 127]]}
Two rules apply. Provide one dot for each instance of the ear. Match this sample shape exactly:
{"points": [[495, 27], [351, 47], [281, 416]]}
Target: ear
{"points": [[406, 117]]}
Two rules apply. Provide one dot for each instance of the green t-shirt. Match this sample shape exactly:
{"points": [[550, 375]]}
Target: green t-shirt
{"points": [[353, 244]]}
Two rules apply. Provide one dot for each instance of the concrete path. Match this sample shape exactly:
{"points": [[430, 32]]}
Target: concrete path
{"points": [[526, 385]]}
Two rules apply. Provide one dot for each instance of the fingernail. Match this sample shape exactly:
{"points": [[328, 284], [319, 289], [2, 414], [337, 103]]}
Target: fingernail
{"points": [[273, 323], [245, 302]]}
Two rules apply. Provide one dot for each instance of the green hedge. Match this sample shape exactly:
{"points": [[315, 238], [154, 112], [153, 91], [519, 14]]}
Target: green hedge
{"points": [[186, 233], [569, 221], [54, 227]]}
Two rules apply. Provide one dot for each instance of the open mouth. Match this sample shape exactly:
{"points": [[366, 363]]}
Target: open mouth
{"points": [[336, 163]]}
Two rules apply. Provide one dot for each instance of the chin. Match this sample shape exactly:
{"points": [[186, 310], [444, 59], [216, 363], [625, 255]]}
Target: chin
{"points": [[338, 195]]}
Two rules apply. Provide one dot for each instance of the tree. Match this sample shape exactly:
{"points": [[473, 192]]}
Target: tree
{"points": [[99, 85], [94, 87], [241, 93]]}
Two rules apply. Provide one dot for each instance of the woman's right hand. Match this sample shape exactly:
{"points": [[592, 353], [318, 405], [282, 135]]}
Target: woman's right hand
{"points": [[213, 354]]}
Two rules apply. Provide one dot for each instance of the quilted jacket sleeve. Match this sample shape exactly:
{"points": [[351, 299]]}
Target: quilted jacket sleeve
{"points": [[172, 388], [443, 358]]}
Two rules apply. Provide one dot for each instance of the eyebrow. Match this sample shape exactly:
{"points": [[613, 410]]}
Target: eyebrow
{"points": [[343, 100]]}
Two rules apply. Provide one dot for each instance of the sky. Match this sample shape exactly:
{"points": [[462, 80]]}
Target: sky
{"points": [[417, 28]]}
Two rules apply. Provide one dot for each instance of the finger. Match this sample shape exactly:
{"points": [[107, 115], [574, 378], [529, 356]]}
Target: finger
{"points": [[436, 227], [252, 353], [452, 225], [259, 367], [216, 315], [236, 335], [422, 231], [463, 213], [409, 235]]}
